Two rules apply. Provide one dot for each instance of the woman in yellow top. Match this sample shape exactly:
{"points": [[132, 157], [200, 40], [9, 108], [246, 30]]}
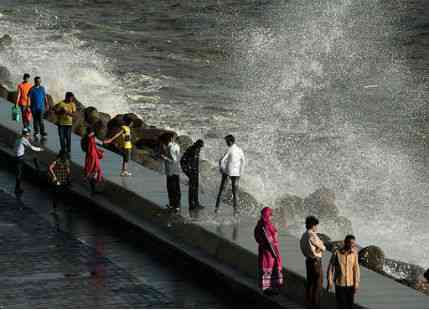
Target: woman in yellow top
{"points": [[126, 145], [64, 111]]}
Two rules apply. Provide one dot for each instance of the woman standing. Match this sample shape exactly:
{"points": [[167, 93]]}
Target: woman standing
{"points": [[269, 259], [92, 167]]}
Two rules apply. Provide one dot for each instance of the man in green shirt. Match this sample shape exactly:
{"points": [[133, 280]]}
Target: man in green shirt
{"points": [[65, 110]]}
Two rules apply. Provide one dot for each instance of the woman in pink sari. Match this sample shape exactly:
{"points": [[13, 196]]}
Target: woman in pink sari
{"points": [[269, 259]]}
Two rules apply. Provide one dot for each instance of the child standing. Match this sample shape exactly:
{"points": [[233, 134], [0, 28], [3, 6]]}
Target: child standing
{"points": [[124, 136]]}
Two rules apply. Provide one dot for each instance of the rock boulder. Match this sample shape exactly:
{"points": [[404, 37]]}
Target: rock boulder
{"points": [[293, 207], [5, 76], [4, 93], [372, 257], [321, 203], [184, 142]]}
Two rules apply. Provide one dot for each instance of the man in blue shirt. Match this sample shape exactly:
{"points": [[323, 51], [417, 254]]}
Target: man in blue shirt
{"points": [[38, 101]]}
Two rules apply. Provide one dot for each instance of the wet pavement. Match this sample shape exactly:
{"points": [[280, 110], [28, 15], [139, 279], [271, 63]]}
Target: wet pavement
{"points": [[79, 257]]}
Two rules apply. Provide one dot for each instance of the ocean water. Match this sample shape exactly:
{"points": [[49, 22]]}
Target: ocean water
{"points": [[318, 92]]}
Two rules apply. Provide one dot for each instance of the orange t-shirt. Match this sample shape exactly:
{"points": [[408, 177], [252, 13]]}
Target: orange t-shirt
{"points": [[23, 89]]}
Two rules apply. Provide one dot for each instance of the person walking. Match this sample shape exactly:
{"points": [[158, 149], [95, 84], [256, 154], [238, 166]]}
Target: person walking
{"points": [[313, 248], [343, 270], [126, 145], [38, 103], [190, 164], [231, 166], [21, 144], [60, 173], [23, 89], [171, 154], [93, 155], [65, 111], [270, 265]]}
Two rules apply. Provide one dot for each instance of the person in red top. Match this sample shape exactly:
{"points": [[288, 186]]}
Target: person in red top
{"points": [[22, 99], [92, 168]]}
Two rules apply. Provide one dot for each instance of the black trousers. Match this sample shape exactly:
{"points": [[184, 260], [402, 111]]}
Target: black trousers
{"points": [[193, 190], [58, 193], [235, 182], [38, 123], [173, 189], [345, 296], [314, 283], [64, 132], [19, 162]]}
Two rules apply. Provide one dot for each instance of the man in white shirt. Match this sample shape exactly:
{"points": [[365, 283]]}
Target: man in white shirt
{"points": [[231, 166], [171, 157], [20, 145]]}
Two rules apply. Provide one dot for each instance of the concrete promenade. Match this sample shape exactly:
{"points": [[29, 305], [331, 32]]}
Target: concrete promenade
{"points": [[219, 243]]}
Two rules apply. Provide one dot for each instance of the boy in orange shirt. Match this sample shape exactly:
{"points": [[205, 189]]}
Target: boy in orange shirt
{"points": [[22, 99]]}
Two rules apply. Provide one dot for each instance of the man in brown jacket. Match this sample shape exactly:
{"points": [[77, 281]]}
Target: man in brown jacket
{"points": [[344, 270]]}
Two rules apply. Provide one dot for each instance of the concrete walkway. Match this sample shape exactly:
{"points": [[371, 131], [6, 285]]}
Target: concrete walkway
{"points": [[221, 243]]}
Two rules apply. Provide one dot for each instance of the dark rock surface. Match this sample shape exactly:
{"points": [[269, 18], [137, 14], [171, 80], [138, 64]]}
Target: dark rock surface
{"points": [[372, 257], [321, 204]]}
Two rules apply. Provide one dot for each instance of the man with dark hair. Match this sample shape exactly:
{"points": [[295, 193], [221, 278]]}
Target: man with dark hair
{"points": [[170, 154], [21, 144], [65, 111], [231, 166], [22, 99], [312, 248], [38, 103], [190, 164], [344, 270]]}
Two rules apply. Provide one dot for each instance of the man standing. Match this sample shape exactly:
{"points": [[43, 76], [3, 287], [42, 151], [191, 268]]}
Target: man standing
{"points": [[171, 154], [344, 270], [190, 164], [20, 145], [231, 166], [38, 102], [22, 99], [312, 248], [65, 111]]}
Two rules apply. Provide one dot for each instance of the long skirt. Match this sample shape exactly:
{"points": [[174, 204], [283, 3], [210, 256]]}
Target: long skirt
{"points": [[270, 270]]}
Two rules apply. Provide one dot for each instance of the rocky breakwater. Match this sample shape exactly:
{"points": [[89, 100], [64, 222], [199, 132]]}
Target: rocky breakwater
{"points": [[321, 204]]}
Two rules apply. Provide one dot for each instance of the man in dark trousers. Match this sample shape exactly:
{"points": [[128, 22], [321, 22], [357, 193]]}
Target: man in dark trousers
{"points": [[313, 249], [170, 155], [21, 144], [190, 164], [344, 273], [38, 103]]}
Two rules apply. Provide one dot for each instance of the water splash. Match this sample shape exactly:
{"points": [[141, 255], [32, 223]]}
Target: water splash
{"points": [[64, 62]]}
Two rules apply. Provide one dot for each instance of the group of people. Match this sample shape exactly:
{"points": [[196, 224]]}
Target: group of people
{"points": [[33, 102], [231, 166], [343, 271]]}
